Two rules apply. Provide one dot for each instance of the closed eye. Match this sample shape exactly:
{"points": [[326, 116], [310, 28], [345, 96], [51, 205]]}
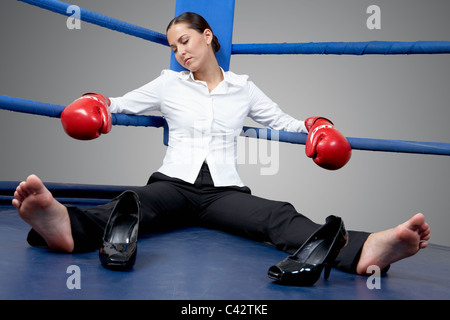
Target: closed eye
{"points": [[183, 40]]}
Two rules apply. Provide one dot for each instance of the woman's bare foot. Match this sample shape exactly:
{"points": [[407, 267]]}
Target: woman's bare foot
{"points": [[44, 214], [386, 247]]}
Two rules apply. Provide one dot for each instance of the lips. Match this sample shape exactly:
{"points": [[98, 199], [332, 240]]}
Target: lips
{"points": [[187, 60]]}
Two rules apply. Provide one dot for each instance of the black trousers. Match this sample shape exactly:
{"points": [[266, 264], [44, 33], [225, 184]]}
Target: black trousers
{"points": [[170, 203]]}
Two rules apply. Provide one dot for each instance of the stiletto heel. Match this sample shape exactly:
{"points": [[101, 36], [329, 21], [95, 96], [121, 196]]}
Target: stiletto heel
{"points": [[304, 267], [327, 271], [119, 247]]}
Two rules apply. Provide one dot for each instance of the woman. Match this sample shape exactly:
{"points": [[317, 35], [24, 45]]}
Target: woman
{"points": [[198, 182]]}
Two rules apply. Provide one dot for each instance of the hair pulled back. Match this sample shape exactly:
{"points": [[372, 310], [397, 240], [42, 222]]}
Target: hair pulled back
{"points": [[196, 22]]}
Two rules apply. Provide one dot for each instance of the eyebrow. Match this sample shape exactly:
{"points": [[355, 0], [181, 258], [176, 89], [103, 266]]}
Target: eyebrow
{"points": [[178, 40]]}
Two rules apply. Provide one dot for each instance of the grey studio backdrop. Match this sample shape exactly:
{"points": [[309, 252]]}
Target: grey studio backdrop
{"points": [[387, 97]]}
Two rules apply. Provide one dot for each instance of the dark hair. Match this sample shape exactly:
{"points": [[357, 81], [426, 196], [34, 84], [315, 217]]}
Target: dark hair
{"points": [[196, 22]]}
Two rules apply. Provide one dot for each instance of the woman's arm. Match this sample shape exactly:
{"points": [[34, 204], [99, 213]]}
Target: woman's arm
{"points": [[325, 144], [267, 113], [141, 100]]}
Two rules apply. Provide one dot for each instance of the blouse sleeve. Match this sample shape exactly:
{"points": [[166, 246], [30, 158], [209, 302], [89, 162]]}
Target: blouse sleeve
{"points": [[141, 100], [267, 113]]}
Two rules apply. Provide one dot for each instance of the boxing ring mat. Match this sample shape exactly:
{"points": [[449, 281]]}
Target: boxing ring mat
{"points": [[190, 263]]}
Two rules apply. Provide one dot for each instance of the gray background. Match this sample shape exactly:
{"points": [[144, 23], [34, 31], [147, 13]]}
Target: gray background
{"points": [[388, 97]]}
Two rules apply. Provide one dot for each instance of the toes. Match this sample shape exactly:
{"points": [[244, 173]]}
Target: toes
{"points": [[425, 228], [417, 221], [424, 232], [34, 184], [31, 186], [16, 203], [20, 194], [425, 238], [423, 245]]}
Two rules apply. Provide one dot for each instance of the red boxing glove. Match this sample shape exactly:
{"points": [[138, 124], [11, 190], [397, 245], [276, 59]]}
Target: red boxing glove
{"points": [[326, 145], [87, 117]]}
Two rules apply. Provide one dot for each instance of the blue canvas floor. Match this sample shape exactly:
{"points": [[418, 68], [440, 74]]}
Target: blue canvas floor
{"points": [[197, 264]]}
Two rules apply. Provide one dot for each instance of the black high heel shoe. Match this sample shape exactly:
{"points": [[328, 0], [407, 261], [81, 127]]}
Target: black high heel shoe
{"points": [[119, 247], [304, 267]]}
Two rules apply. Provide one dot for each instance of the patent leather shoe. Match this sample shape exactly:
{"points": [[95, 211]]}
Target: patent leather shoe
{"points": [[305, 266], [119, 248]]}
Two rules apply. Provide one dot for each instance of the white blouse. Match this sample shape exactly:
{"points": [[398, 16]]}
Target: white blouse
{"points": [[203, 125]]}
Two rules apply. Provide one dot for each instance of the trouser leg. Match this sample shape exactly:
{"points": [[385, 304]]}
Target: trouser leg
{"points": [[259, 219], [348, 258], [272, 221], [163, 203]]}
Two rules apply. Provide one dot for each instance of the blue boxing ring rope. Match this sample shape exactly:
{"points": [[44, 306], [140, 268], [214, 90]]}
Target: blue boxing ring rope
{"points": [[401, 146], [346, 48], [205, 8]]}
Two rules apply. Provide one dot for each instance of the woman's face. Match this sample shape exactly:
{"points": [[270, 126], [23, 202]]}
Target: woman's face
{"points": [[191, 48]]}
